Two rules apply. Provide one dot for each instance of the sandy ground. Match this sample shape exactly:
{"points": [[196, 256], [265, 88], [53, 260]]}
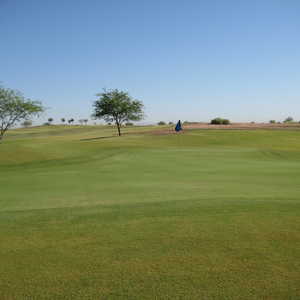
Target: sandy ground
{"points": [[243, 126], [239, 126]]}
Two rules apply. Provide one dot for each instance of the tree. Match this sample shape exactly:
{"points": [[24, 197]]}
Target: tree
{"points": [[117, 106], [14, 108], [220, 121], [81, 121], [85, 121], [27, 123], [50, 120], [63, 120], [161, 123], [288, 120], [70, 121]]}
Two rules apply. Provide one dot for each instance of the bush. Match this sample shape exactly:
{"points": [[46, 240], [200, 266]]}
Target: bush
{"points": [[171, 123], [220, 121], [129, 124], [27, 123], [272, 121], [161, 123], [189, 122], [288, 120], [216, 121]]}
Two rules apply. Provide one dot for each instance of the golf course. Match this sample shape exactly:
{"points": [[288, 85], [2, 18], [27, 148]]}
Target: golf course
{"points": [[152, 214]]}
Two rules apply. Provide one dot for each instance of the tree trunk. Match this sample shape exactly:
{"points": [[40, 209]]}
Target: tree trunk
{"points": [[119, 130]]}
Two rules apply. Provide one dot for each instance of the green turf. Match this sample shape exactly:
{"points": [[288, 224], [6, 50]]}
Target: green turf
{"points": [[202, 215]]}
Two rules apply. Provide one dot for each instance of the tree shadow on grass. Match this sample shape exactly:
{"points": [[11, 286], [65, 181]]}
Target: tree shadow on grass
{"points": [[98, 138]]}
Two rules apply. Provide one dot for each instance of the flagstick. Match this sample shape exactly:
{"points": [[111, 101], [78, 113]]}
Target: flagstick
{"points": [[178, 128]]}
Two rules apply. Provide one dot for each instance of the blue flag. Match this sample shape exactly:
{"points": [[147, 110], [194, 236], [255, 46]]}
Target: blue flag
{"points": [[178, 126]]}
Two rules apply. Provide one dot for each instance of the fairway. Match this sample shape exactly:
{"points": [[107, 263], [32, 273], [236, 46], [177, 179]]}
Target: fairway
{"points": [[206, 214]]}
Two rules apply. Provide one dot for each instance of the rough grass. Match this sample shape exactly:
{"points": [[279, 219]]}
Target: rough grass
{"points": [[201, 215]]}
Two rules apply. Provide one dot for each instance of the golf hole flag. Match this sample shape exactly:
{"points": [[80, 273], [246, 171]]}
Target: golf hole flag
{"points": [[178, 126]]}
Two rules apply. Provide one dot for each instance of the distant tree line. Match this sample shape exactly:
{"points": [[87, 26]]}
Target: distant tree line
{"points": [[114, 106], [288, 120]]}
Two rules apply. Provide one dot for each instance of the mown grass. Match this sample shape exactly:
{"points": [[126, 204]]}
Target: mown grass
{"points": [[201, 215]]}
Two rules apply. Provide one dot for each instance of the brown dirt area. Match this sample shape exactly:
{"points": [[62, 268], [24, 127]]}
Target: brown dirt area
{"points": [[237, 126]]}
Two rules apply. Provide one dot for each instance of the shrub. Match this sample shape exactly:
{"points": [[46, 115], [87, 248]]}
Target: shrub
{"points": [[216, 121], [188, 122], [272, 121], [288, 120], [220, 121], [27, 123], [129, 124], [161, 123]]}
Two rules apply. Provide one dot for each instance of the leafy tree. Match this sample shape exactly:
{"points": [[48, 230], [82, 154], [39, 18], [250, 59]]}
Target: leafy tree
{"points": [[272, 121], [85, 121], [14, 108], [50, 120], [117, 106], [63, 120], [171, 123], [70, 121]]}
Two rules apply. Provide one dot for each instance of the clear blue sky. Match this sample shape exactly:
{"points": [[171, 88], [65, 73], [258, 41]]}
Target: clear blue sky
{"points": [[188, 60]]}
